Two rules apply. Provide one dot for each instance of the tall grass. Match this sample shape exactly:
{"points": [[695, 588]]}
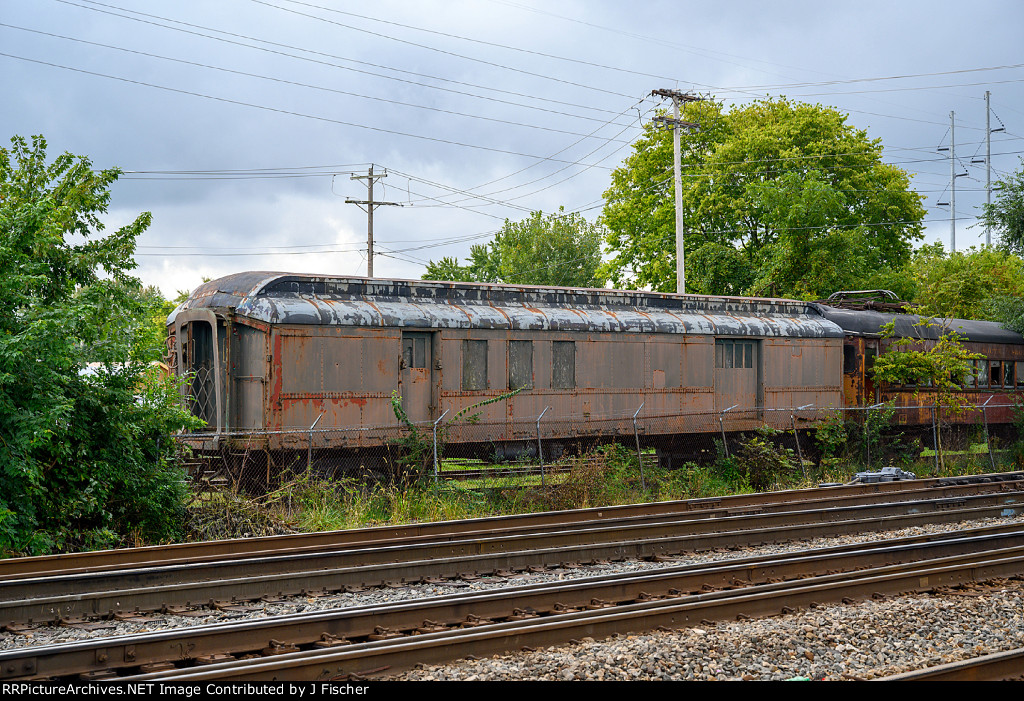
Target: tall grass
{"points": [[609, 475]]}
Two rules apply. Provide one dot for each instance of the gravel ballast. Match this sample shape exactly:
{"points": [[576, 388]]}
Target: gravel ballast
{"points": [[860, 641], [864, 640]]}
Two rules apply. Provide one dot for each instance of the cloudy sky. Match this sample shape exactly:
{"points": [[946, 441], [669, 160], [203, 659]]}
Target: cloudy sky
{"points": [[241, 123]]}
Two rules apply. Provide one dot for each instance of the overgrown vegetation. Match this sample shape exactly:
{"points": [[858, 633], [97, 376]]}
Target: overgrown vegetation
{"points": [[86, 459], [413, 453], [942, 367], [607, 475]]}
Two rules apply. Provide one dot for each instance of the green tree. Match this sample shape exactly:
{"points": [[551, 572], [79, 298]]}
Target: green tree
{"points": [[965, 284], [942, 366], [1006, 214], [558, 249], [791, 187], [84, 452], [149, 318], [1009, 310]]}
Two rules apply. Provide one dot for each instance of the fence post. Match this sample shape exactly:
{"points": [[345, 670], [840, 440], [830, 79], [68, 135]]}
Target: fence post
{"points": [[796, 438], [639, 455], [867, 439], [435, 443], [540, 454], [935, 438], [309, 453], [721, 425], [988, 439]]}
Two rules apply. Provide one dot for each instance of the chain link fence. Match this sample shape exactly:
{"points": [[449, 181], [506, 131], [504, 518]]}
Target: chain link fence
{"points": [[542, 450]]}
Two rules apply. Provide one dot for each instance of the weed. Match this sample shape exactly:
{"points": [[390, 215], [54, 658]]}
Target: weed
{"points": [[762, 462], [831, 435]]}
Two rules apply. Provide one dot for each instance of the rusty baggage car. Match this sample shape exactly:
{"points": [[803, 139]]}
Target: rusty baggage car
{"points": [[275, 353]]}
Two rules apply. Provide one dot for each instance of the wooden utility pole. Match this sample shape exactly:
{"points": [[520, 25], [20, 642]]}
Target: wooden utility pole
{"points": [[368, 205], [677, 124]]}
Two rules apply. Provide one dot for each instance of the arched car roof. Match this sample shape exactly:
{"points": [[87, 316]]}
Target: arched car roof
{"points": [[283, 298], [870, 323]]}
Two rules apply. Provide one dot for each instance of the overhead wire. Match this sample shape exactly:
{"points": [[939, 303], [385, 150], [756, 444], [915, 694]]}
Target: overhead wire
{"points": [[316, 86], [567, 163], [94, 2], [89, 5], [492, 64], [277, 110], [294, 83], [580, 161], [489, 44]]}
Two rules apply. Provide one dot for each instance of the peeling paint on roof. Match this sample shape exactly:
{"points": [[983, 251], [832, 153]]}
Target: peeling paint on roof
{"points": [[279, 298]]}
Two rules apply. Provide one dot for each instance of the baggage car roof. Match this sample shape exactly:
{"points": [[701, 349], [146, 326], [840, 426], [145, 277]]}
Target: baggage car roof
{"points": [[282, 298]]}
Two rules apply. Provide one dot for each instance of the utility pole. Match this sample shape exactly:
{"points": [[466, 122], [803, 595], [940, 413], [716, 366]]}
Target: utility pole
{"points": [[989, 131], [952, 181], [988, 162], [953, 175], [368, 205], [677, 98]]}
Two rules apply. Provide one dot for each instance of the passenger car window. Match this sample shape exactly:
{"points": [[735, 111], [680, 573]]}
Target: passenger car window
{"points": [[414, 350], [563, 364], [520, 364], [734, 354], [474, 365]]}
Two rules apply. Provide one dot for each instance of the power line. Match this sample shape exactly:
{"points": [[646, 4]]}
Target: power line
{"points": [[647, 39], [448, 35], [905, 76], [276, 250], [905, 89], [277, 110], [586, 166], [284, 81], [442, 51], [278, 52]]}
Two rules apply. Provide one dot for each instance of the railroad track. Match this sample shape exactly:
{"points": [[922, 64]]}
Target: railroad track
{"points": [[374, 640], [45, 589], [11, 568], [76, 596], [999, 666]]}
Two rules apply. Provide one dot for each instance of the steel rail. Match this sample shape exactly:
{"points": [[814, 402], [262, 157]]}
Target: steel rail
{"points": [[11, 568], [422, 548], [271, 635], [631, 529], [348, 570], [998, 666], [394, 655]]}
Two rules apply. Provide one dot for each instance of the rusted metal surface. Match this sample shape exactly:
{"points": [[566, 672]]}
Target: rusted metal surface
{"points": [[871, 323], [676, 611], [101, 593], [353, 625], [280, 298], [275, 352], [123, 558], [340, 347], [998, 666], [998, 378]]}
